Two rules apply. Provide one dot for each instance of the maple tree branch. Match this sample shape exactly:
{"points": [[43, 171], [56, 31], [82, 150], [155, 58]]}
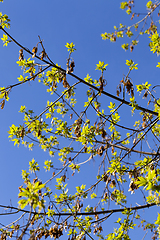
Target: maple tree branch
{"points": [[154, 122], [29, 79], [87, 213], [80, 79], [48, 107]]}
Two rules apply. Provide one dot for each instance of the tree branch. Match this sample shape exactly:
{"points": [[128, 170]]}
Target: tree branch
{"points": [[80, 79], [87, 213]]}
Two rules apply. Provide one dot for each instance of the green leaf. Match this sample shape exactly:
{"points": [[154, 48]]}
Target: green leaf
{"points": [[33, 166], [93, 195], [123, 5], [4, 21], [101, 66], [22, 203], [125, 46], [22, 109], [142, 181], [149, 4], [88, 79], [142, 87], [131, 64], [158, 220], [71, 47], [5, 40]]}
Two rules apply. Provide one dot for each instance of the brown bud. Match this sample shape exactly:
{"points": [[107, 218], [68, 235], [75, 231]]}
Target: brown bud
{"points": [[21, 56], [34, 51], [40, 193], [103, 133], [132, 16], [105, 178], [132, 92], [39, 132], [144, 124], [113, 183], [35, 180], [112, 149], [70, 159], [145, 94], [105, 195], [43, 54], [131, 48], [71, 67], [2, 104], [71, 115], [100, 151], [114, 38]]}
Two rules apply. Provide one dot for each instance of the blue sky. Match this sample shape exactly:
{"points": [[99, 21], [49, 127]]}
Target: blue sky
{"points": [[58, 22]]}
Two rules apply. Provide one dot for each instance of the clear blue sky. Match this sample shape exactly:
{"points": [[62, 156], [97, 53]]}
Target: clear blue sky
{"points": [[58, 22]]}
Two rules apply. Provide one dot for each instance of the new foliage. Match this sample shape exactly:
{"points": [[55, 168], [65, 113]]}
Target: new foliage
{"points": [[126, 154]]}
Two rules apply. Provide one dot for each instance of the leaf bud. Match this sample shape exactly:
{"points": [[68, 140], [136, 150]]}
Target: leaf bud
{"points": [[34, 51]]}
